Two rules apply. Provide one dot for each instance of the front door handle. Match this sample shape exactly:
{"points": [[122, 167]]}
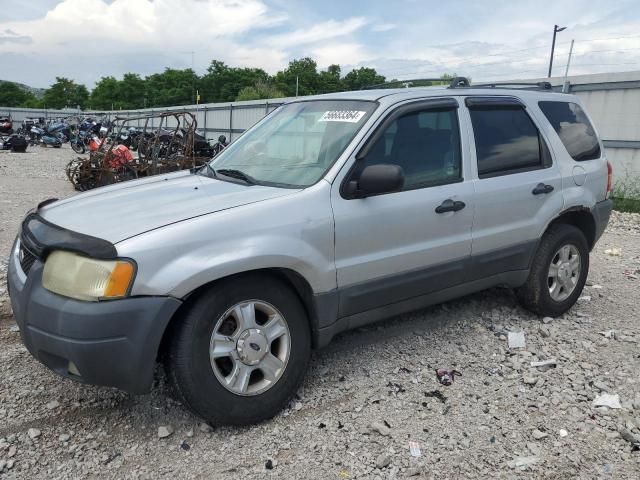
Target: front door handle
{"points": [[450, 206], [542, 188]]}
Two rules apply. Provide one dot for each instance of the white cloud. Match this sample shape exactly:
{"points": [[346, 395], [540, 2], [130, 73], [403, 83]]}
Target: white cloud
{"points": [[340, 53], [383, 27], [318, 32]]}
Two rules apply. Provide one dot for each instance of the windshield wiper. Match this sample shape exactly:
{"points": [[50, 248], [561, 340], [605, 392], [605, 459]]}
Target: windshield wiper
{"points": [[238, 174]]}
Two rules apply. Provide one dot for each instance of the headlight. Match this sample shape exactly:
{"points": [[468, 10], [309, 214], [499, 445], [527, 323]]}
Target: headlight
{"points": [[84, 278]]}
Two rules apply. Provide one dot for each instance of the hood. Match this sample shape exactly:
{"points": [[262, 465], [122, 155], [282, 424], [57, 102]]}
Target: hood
{"points": [[124, 210]]}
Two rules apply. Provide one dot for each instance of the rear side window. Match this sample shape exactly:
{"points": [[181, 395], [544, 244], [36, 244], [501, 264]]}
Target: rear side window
{"points": [[574, 129], [507, 141]]}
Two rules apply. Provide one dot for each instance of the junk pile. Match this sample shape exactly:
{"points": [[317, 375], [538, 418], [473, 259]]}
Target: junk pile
{"points": [[162, 142]]}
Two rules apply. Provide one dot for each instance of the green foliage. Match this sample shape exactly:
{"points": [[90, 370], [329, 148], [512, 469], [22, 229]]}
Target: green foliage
{"points": [[259, 91], [626, 193], [221, 83], [305, 72], [171, 87], [361, 78], [12, 95], [65, 93]]}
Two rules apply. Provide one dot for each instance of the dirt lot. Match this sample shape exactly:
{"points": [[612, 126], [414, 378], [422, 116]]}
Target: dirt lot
{"points": [[365, 397]]}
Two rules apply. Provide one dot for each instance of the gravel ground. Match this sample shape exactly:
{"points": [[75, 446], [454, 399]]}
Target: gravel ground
{"points": [[366, 396]]}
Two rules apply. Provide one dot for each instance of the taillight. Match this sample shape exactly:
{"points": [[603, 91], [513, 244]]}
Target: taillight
{"points": [[609, 178]]}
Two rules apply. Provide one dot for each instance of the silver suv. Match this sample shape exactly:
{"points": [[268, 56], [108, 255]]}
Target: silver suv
{"points": [[332, 212]]}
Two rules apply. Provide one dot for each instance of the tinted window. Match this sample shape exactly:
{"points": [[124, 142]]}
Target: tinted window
{"points": [[426, 144], [507, 141], [574, 129]]}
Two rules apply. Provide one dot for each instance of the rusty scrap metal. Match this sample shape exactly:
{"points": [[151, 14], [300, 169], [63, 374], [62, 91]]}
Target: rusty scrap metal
{"points": [[165, 143]]}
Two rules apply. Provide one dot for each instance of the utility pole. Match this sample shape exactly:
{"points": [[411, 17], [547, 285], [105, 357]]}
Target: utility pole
{"points": [[565, 86], [556, 29], [193, 79], [296, 85]]}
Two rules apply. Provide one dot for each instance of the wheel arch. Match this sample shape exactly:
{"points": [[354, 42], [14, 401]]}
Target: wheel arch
{"points": [[581, 218], [294, 280]]}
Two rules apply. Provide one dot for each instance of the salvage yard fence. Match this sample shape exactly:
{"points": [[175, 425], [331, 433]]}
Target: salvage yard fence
{"points": [[214, 119], [612, 99]]}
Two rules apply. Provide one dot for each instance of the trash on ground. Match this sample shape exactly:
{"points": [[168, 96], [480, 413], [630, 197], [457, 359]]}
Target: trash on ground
{"points": [[608, 334], [607, 400], [614, 252], [631, 274], [516, 340], [446, 377], [523, 462], [414, 448], [545, 365]]}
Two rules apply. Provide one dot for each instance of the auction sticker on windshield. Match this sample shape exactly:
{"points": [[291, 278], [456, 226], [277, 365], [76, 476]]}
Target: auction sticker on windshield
{"points": [[350, 116]]}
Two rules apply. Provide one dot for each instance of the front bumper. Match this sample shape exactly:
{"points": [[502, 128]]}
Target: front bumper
{"points": [[601, 213], [113, 343]]}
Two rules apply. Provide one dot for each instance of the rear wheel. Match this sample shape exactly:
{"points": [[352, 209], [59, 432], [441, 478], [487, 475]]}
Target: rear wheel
{"points": [[558, 272], [241, 350]]}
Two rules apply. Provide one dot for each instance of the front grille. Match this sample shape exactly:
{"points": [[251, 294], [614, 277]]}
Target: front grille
{"points": [[26, 259]]}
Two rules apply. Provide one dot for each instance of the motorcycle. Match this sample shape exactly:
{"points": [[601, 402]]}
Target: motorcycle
{"points": [[42, 136], [6, 126], [14, 142], [219, 146]]}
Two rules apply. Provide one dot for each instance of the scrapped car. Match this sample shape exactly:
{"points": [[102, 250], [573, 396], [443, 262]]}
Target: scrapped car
{"points": [[332, 212]]}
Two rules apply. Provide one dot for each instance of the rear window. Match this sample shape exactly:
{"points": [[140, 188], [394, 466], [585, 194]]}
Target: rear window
{"points": [[574, 129], [507, 141]]}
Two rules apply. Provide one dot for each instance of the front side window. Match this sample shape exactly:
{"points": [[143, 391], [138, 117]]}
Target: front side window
{"points": [[426, 144], [507, 141], [297, 143], [574, 129]]}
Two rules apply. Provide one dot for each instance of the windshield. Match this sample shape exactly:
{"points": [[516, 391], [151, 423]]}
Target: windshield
{"points": [[297, 143]]}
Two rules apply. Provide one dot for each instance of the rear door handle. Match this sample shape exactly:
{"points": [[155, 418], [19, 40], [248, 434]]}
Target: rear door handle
{"points": [[450, 206], [542, 188]]}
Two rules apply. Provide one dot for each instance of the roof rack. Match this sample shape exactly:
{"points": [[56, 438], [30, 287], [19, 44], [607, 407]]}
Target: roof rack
{"points": [[463, 82], [406, 82]]}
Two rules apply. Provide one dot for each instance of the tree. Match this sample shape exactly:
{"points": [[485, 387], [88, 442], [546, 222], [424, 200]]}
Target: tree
{"points": [[132, 91], [171, 87], [65, 93], [105, 94], [260, 91], [222, 83], [305, 71], [12, 95], [362, 77], [329, 80]]}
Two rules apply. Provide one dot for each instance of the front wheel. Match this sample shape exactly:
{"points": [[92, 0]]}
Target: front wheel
{"points": [[558, 272], [77, 145], [241, 351]]}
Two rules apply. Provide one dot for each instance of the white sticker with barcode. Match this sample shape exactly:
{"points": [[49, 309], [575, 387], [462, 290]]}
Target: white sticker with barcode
{"points": [[350, 116]]}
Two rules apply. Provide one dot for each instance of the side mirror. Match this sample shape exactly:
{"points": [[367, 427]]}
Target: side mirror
{"points": [[376, 179]]}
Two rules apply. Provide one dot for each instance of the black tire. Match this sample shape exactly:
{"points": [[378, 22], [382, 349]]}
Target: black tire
{"points": [[534, 294], [77, 146], [188, 364]]}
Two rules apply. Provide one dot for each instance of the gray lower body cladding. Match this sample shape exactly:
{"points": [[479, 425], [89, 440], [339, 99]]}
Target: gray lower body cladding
{"points": [[601, 213], [112, 343]]}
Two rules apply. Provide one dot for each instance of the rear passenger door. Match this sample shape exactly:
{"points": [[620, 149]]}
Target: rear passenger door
{"points": [[518, 186]]}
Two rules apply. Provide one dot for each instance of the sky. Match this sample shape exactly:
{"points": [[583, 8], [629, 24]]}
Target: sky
{"points": [[485, 40]]}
